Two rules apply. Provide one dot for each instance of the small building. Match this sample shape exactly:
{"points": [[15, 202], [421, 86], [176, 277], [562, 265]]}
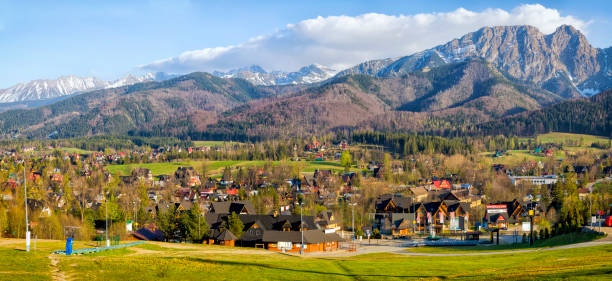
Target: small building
{"points": [[226, 238], [535, 180], [502, 214]]}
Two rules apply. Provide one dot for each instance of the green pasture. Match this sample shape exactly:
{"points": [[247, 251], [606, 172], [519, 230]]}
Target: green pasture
{"points": [[216, 167], [166, 261]]}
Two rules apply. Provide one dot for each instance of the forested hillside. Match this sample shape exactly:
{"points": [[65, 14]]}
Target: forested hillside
{"points": [[585, 116]]}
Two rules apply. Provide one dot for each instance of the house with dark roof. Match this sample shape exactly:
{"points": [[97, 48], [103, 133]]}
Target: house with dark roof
{"points": [[226, 238], [227, 207], [502, 214], [442, 211], [273, 232]]}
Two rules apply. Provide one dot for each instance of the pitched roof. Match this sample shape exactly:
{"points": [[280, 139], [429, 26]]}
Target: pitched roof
{"points": [[226, 235], [399, 201], [149, 235], [419, 191], [228, 207]]}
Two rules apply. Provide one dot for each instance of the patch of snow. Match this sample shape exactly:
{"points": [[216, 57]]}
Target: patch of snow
{"points": [[588, 92]]}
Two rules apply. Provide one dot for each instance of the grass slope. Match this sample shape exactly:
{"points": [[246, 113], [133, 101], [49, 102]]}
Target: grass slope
{"points": [[164, 261], [216, 167]]}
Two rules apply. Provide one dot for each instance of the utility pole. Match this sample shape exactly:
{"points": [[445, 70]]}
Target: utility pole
{"points": [[301, 229], [531, 227], [106, 220], [25, 203]]}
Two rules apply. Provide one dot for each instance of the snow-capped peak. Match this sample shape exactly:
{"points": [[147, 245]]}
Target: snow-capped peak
{"points": [[257, 75], [67, 85]]}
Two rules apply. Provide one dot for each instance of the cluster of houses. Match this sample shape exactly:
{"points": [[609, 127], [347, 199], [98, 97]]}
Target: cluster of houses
{"points": [[397, 215], [277, 231]]}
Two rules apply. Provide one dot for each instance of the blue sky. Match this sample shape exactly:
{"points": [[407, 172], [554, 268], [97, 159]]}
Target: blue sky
{"points": [[108, 39]]}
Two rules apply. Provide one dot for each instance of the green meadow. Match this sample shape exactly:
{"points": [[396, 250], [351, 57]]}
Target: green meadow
{"points": [[216, 167], [164, 261]]}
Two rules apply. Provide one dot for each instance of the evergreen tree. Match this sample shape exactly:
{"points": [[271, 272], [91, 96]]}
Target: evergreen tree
{"points": [[235, 225], [195, 225]]}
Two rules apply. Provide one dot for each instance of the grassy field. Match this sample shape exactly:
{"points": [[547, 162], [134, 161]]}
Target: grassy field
{"points": [[156, 168], [163, 261], [215, 143], [216, 167], [559, 240], [564, 138], [514, 157]]}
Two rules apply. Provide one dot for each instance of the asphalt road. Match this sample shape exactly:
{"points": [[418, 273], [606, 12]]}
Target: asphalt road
{"points": [[603, 241]]}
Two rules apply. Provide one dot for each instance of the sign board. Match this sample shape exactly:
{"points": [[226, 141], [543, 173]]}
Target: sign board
{"points": [[593, 219], [526, 226], [500, 206], [285, 245], [531, 212], [496, 209]]}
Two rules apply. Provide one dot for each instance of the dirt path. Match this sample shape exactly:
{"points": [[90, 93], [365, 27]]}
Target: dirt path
{"points": [[56, 273]]}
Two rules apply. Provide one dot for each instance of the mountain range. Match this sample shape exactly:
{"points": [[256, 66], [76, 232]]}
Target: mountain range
{"points": [[562, 62], [258, 76], [487, 76], [52, 89]]}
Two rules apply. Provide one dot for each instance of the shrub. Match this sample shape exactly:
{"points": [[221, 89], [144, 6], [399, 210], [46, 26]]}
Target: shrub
{"points": [[542, 234], [546, 233], [524, 240]]}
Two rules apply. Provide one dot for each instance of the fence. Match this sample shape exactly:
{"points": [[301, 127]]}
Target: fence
{"points": [[99, 249]]}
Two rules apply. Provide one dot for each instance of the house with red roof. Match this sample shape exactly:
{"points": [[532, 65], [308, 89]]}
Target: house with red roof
{"points": [[442, 184]]}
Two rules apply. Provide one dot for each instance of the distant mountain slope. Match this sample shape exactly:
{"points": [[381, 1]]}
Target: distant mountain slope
{"points": [[38, 90], [258, 76], [197, 98], [584, 116], [563, 62], [473, 88], [47, 89], [466, 86]]}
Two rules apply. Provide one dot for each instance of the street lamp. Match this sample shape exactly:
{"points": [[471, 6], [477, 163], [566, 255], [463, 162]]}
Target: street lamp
{"points": [[301, 228], [25, 203], [353, 220], [106, 220], [531, 213]]}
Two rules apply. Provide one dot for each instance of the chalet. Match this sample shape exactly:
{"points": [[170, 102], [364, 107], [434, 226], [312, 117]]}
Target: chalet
{"points": [[226, 238], [228, 207], [187, 176], [291, 241], [140, 175], [275, 232], [441, 210], [502, 214], [327, 220], [392, 203], [419, 193]]}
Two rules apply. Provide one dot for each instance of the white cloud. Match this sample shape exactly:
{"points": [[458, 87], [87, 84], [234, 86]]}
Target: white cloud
{"points": [[343, 41]]}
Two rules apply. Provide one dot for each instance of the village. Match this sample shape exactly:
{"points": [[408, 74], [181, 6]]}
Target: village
{"points": [[296, 205]]}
